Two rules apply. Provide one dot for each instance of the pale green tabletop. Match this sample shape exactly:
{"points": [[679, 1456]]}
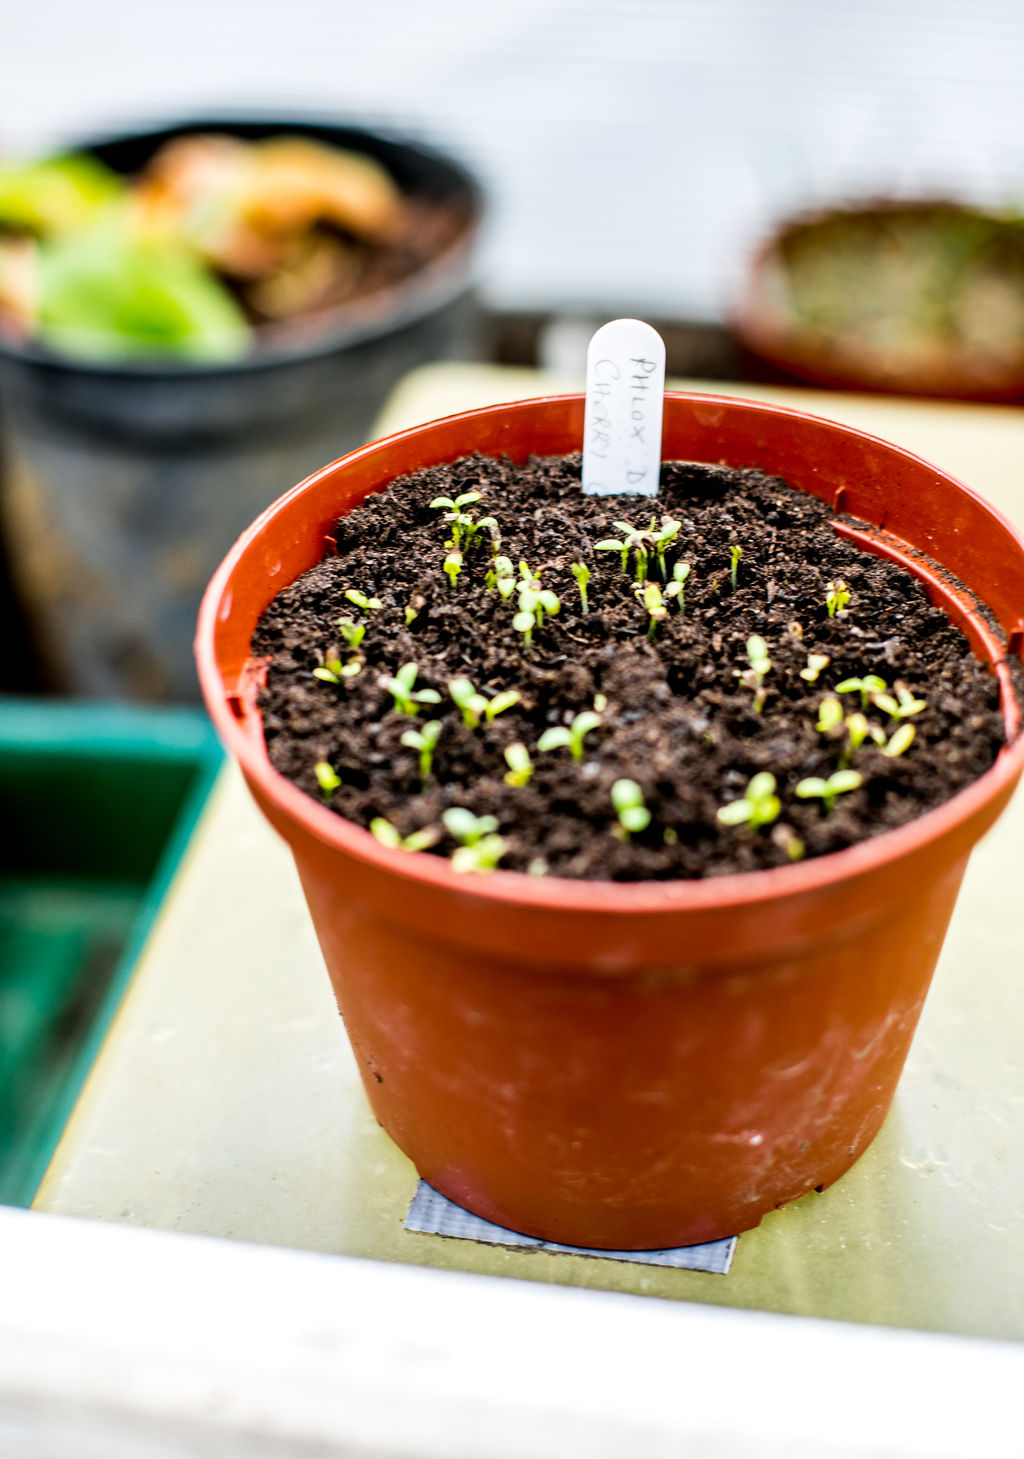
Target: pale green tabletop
{"points": [[226, 1101]]}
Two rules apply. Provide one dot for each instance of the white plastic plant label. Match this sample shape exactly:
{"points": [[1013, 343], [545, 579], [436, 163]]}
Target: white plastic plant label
{"points": [[622, 423]]}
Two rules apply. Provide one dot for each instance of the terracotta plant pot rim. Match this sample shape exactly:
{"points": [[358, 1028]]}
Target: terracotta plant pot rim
{"points": [[567, 894]]}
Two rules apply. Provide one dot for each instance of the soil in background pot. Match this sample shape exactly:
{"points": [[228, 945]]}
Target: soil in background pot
{"points": [[678, 711], [914, 296]]}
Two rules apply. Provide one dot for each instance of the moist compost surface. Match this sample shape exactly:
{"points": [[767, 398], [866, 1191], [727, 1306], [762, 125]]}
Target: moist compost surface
{"points": [[678, 714]]}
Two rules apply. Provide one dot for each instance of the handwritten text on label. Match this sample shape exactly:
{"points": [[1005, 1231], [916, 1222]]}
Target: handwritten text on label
{"points": [[622, 426]]}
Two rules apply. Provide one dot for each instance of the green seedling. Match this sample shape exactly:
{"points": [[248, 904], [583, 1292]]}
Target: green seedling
{"points": [[581, 573], [523, 623], [480, 848], [401, 689], [534, 603], [389, 836], [572, 735], [465, 529], [332, 671], [670, 530], [368, 605], [904, 704], [815, 664], [758, 806], [639, 541], [411, 614], [520, 766], [425, 742], [467, 828], [465, 500], [352, 633], [501, 575], [469, 532], [787, 840], [474, 705], [628, 800], [677, 587], [473, 529], [452, 565], [760, 666], [643, 542], [869, 687], [840, 782], [858, 729], [505, 700], [454, 516], [830, 715], [468, 700], [611, 545], [735, 553], [494, 532], [326, 777], [650, 595], [600, 703], [635, 540], [900, 741], [837, 598]]}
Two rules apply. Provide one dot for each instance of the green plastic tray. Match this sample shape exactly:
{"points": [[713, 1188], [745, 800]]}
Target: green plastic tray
{"points": [[96, 806]]}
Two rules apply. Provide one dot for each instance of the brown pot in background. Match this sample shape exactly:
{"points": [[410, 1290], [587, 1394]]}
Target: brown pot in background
{"points": [[632, 1065], [914, 298]]}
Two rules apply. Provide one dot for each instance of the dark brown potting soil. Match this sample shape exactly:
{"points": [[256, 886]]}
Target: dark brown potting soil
{"points": [[676, 717]]}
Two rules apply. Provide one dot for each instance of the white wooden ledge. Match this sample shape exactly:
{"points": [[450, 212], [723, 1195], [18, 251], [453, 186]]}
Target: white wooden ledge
{"points": [[120, 1343]]}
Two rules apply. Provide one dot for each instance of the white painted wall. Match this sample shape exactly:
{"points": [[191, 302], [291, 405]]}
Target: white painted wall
{"points": [[633, 147]]}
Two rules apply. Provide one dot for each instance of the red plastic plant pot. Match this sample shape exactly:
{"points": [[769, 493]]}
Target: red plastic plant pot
{"points": [[633, 1065]]}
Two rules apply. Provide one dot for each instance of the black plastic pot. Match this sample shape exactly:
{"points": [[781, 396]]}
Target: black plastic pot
{"points": [[125, 484]]}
